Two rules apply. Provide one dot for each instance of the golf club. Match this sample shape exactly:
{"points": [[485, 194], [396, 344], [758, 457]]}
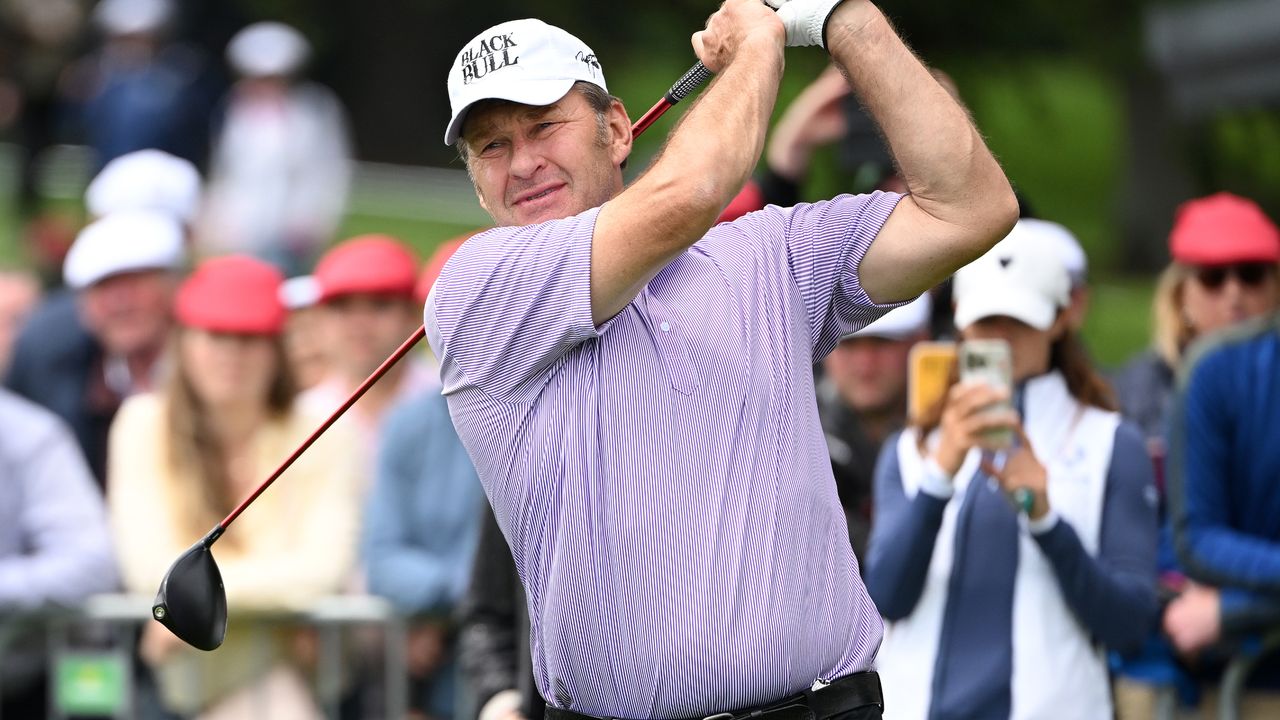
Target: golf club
{"points": [[192, 601]]}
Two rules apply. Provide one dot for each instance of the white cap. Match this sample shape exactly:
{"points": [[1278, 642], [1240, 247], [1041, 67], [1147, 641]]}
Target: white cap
{"points": [[300, 292], [267, 49], [123, 242], [1022, 277], [901, 323], [130, 17], [1068, 248], [146, 180], [524, 61]]}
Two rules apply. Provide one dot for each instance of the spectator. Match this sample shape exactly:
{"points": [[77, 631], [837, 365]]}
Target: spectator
{"points": [[54, 546], [281, 161], [997, 612], [183, 457], [303, 335], [493, 634], [1224, 502], [82, 353], [862, 399], [367, 310], [144, 89], [1224, 253], [420, 532], [19, 293]]}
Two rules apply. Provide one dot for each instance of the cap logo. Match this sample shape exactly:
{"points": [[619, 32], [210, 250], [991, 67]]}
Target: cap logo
{"points": [[489, 55], [1004, 261], [589, 60]]}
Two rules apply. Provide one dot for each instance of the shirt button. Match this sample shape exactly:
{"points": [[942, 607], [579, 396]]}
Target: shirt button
{"points": [[666, 326]]}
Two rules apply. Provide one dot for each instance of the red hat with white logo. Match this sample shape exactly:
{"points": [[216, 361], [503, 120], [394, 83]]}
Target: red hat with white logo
{"points": [[375, 264], [523, 61], [1223, 228], [232, 294]]}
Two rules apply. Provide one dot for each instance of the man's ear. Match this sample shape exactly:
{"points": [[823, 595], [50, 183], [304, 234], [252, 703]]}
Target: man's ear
{"points": [[619, 133]]}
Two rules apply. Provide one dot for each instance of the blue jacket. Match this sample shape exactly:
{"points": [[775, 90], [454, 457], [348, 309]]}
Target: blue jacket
{"points": [[53, 361], [422, 518], [1224, 472]]}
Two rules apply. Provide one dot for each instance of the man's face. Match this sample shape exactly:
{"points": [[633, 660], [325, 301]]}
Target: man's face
{"points": [[870, 373], [129, 313], [361, 329], [536, 163]]}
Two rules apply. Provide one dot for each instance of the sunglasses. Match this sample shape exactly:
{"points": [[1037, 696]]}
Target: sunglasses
{"points": [[1249, 274]]}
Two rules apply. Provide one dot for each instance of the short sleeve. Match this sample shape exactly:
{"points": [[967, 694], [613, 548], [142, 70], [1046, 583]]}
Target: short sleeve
{"points": [[509, 304], [824, 243]]}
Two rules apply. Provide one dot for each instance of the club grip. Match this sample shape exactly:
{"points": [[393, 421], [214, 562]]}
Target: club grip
{"points": [[697, 76]]}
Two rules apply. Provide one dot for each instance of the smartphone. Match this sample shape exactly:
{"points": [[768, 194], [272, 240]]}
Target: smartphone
{"points": [[990, 362], [930, 368]]}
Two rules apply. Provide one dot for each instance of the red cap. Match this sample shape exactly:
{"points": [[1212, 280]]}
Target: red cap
{"points": [[1223, 228], [232, 294], [367, 264], [436, 263], [749, 199]]}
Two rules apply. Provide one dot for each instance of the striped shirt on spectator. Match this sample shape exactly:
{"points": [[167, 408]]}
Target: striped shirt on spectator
{"points": [[663, 479]]}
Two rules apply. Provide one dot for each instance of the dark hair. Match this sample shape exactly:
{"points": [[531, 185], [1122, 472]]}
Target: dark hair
{"points": [[1067, 356], [597, 98]]}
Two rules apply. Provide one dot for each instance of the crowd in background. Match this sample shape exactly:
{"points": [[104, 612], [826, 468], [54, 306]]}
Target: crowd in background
{"points": [[204, 322]]}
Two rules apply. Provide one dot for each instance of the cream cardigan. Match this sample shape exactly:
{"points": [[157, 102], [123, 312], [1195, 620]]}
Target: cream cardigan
{"points": [[295, 544]]}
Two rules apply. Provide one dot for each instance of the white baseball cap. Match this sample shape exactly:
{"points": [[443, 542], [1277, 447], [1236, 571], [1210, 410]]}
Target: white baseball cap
{"points": [[524, 61], [900, 323], [1067, 245], [268, 49], [146, 180], [1022, 277], [123, 242], [300, 292]]}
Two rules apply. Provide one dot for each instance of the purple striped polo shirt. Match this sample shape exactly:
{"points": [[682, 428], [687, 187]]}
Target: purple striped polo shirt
{"points": [[663, 479]]}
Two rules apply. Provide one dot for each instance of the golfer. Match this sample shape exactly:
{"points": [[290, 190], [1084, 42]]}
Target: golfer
{"points": [[635, 386]]}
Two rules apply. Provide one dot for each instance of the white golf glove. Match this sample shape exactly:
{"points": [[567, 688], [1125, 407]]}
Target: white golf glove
{"points": [[804, 19]]}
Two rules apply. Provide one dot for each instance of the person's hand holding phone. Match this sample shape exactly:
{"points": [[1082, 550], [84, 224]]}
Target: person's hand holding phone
{"points": [[973, 415], [1022, 472]]}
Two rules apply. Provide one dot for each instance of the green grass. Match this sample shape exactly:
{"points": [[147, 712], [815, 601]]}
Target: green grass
{"points": [[1119, 320]]}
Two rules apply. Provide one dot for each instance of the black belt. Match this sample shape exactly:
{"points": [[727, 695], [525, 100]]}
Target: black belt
{"points": [[851, 692]]}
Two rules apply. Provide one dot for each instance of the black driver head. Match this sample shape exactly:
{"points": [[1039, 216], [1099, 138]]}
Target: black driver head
{"points": [[192, 602]]}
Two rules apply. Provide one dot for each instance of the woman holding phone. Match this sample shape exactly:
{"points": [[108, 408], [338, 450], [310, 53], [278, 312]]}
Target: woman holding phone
{"points": [[1015, 530]]}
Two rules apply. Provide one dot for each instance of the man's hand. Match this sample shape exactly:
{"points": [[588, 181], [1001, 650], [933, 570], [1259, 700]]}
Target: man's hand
{"points": [[814, 119], [1193, 621], [707, 159], [736, 24], [804, 19]]}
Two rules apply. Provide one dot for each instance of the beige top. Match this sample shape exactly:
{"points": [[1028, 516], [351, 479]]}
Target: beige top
{"points": [[295, 544]]}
